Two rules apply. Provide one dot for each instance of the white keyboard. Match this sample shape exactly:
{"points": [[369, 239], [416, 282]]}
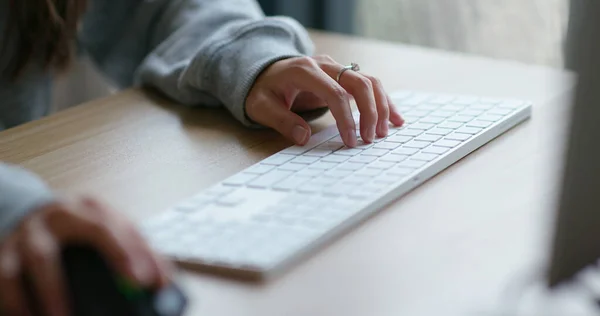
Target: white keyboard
{"points": [[267, 216]]}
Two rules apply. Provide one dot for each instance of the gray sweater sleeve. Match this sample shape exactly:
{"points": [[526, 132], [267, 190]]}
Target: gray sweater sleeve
{"points": [[20, 193], [197, 52]]}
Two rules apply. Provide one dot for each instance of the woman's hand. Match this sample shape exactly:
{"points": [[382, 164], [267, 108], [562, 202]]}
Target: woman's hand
{"points": [[307, 83], [34, 248]]}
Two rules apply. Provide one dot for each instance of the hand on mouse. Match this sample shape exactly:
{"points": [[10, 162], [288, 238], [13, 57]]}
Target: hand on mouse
{"points": [[307, 83], [34, 248]]}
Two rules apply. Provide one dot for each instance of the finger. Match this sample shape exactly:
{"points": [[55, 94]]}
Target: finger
{"points": [[89, 223], [270, 111], [383, 108], [41, 255], [395, 116], [12, 297], [362, 90], [307, 76]]}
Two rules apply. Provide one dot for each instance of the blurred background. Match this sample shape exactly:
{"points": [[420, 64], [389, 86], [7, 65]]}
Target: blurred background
{"points": [[529, 31]]}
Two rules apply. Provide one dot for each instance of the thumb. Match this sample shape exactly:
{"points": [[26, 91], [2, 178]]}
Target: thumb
{"points": [[270, 111]]}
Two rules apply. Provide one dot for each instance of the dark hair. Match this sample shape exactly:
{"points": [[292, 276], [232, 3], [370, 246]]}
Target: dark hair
{"points": [[41, 31]]}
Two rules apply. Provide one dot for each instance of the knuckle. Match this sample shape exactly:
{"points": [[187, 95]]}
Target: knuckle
{"points": [[306, 63], [364, 83], [339, 94], [39, 252], [375, 81], [325, 58]]}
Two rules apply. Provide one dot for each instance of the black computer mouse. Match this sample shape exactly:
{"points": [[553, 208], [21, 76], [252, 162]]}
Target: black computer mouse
{"points": [[96, 290]]}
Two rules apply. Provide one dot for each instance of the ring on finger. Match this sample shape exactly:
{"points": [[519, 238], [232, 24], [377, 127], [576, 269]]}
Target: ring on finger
{"points": [[352, 66]]}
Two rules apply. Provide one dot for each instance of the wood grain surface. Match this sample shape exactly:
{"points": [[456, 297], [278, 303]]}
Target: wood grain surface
{"points": [[450, 247]]}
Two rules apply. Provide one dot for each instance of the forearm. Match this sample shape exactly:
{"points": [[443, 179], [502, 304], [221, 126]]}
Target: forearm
{"points": [[201, 52], [20, 193]]}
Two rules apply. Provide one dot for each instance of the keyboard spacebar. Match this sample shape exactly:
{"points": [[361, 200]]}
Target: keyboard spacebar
{"points": [[315, 140]]}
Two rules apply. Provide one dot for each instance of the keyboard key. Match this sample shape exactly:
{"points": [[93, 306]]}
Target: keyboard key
{"points": [[306, 160], [387, 179], [230, 200], [447, 143], [363, 159], [489, 118], [424, 157], [393, 158], [500, 111], [318, 152], [416, 144], [364, 145], [427, 107], [380, 165], [452, 107], [351, 166], [422, 126], [461, 118], [401, 170], [417, 113], [336, 139], [337, 173], [269, 179], [439, 131], [348, 151], [387, 145], [278, 159], [408, 119], [353, 180], [412, 164], [479, 124], [400, 139], [310, 188], [259, 169], [337, 190], [435, 150], [375, 152], [405, 151], [490, 100], [466, 100], [468, 130], [442, 113], [410, 132], [400, 95], [482, 106], [511, 104], [368, 172], [240, 179], [415, 100], [450, 125], [288, 166], [442, 99], [458, 136], [432, 120], [331, 145], [290, 183], [470, 112], [219, 190], [309, 172], [428, 138], [335, 158], [323, 165]]}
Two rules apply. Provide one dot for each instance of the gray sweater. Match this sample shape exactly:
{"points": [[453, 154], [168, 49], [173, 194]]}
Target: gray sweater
{"points": [[198, 52]]}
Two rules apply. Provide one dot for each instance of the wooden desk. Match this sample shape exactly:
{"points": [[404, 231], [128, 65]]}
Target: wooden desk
{"points": [[448, 248]]}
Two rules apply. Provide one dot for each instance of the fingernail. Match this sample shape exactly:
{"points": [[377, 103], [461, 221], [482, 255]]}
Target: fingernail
{"points": [[383, 127], [299, 134], [371, 134], [351, 138], [143, 272]]}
